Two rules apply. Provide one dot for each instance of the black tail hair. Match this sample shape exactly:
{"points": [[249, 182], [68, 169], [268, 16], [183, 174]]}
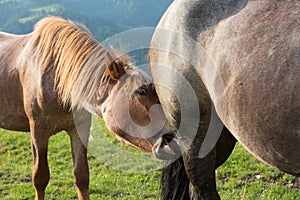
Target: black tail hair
{"points": [[174, 181]]}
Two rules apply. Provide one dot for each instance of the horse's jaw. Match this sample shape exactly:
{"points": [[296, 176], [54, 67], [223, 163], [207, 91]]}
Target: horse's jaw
{"points": [[166, 147]]}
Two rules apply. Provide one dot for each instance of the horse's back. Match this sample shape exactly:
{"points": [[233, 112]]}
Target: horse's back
{"points": [[6, 36], [10, 47], [11, 41]]}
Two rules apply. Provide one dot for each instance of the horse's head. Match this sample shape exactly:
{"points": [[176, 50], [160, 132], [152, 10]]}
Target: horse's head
{"points": [[127, 102]]}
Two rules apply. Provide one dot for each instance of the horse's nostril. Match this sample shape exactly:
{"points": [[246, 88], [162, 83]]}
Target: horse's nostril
{"points": [[167, 147], [167, 138]]}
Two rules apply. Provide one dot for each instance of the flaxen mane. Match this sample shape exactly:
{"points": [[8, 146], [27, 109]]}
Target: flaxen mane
{"points": [[77, 58]]}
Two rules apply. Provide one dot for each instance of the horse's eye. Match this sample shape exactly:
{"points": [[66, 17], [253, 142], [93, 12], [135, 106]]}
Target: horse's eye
{"points": [[142, 92]]}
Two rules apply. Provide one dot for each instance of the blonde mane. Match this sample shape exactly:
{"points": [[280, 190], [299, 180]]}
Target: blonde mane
{"points": [[75, 56]]}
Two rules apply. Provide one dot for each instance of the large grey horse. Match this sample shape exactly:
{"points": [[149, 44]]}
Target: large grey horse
{"points": [[241, 59]]}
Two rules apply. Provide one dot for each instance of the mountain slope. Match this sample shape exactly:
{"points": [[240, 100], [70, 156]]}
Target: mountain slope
{"points": [[104, 18]]}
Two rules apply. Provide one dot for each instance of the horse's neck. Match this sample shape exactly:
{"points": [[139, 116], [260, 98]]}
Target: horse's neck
{"points": [[100, 101], [105, 90]]}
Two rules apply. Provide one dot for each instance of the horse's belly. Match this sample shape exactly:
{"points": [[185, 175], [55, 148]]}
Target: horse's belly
{"points": [[282, 154], [259, 76], [268, 126], [14, 123], [12, 114]]}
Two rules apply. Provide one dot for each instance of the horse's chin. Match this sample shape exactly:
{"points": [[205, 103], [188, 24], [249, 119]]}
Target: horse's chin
{"points": [[166, 147]]}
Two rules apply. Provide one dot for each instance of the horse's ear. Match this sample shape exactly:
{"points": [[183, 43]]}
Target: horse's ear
{"points": [[115, 70]]}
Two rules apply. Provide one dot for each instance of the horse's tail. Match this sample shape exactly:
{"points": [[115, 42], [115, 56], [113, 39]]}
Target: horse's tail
{"points": [[174, 182]]}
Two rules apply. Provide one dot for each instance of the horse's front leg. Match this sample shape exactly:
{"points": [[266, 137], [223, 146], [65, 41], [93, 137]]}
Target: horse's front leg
{"points": [[40, 174], [79, 139]]}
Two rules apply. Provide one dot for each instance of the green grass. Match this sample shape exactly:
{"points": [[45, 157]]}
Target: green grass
{"points": [[242, 176], [119, 172]]}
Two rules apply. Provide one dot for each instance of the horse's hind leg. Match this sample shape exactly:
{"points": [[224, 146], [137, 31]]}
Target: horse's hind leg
{"points": [[174, 182], [201, 172], [40, 173]]}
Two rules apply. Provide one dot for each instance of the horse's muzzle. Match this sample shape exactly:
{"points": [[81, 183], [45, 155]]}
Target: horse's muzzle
{"points": [[166, 147]]}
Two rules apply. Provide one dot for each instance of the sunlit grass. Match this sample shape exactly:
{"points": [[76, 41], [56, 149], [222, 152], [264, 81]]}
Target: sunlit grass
{"points": [[241, 177], [245, 177], [107, 182]]}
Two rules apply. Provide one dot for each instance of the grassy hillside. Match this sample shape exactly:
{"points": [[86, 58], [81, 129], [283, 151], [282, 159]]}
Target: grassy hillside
{"points": [[20, 17], [104, 18], [114, 175]]}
